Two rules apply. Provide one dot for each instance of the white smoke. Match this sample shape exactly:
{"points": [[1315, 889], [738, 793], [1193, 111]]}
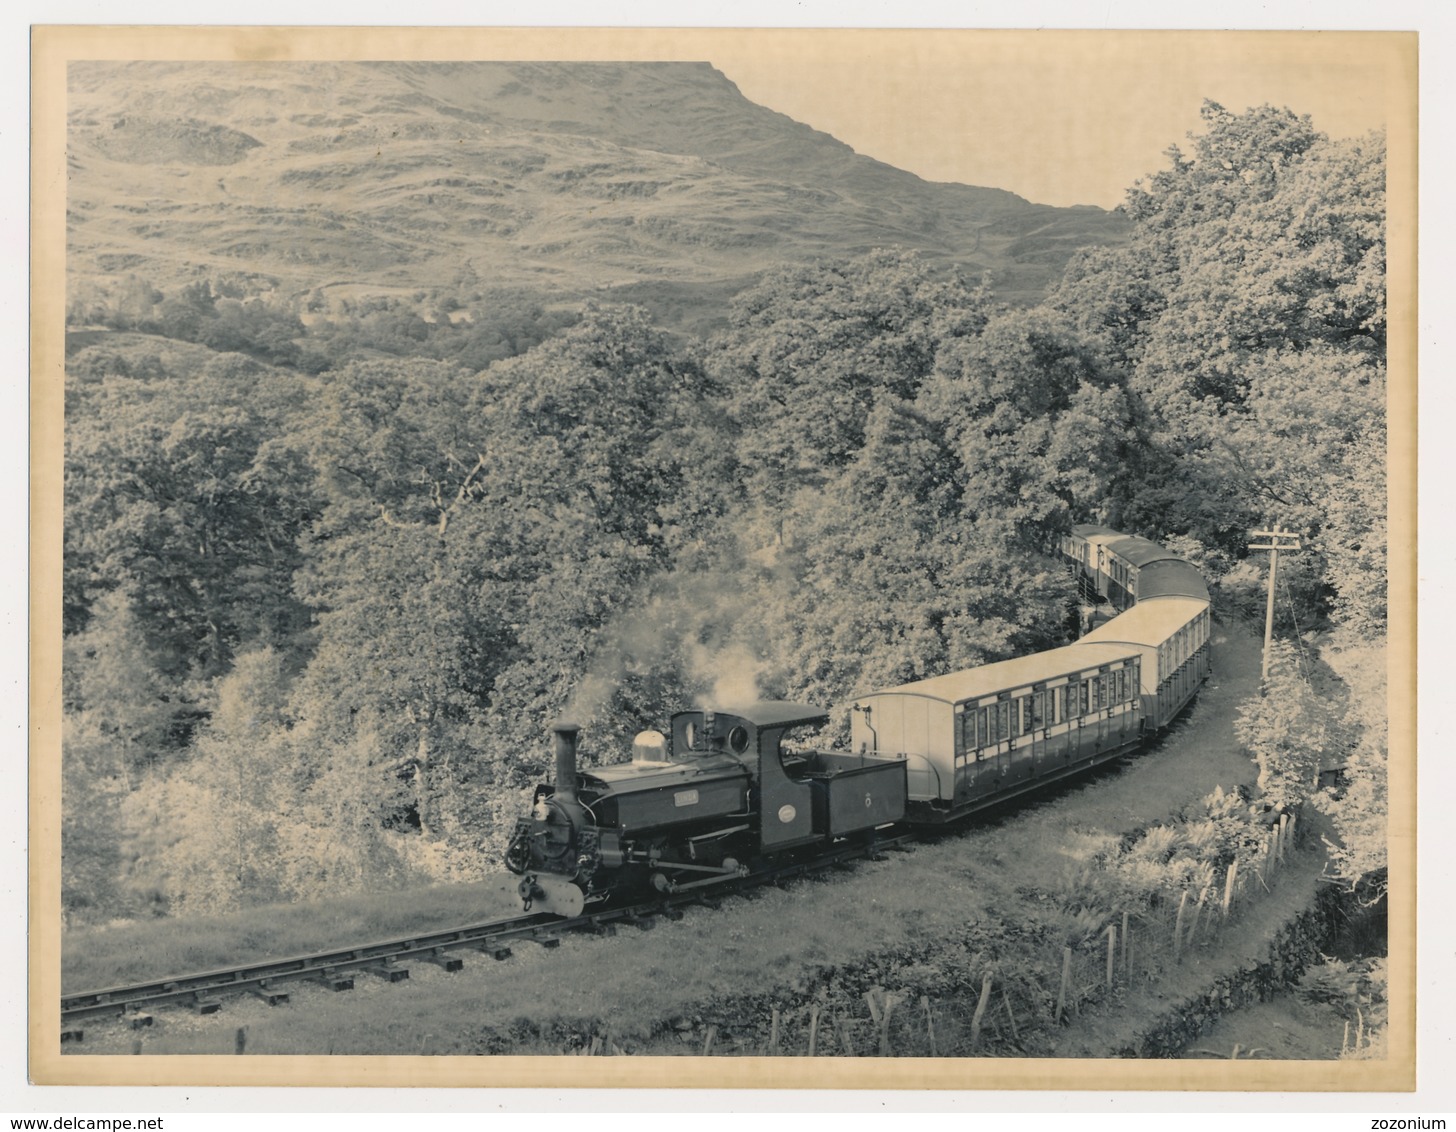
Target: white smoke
{"points": [[731, 673], [692, 623]]}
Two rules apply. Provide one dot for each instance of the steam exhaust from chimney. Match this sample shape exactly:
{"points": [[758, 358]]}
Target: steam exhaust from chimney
{"points": [[565, 760]]}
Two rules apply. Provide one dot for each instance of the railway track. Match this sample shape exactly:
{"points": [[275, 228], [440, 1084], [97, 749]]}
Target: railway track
{"points": [[204, 991]]}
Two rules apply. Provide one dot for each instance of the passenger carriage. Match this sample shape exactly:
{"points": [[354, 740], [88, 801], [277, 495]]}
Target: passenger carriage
{"points": [[1172, 637], [985, 734]]}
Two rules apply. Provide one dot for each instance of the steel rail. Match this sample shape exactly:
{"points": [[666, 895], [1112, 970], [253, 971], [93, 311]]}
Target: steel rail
{"points": [[202, 988], [266, 974]]}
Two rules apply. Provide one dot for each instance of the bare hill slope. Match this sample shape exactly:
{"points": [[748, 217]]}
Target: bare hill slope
{"points": [[559, 178]]}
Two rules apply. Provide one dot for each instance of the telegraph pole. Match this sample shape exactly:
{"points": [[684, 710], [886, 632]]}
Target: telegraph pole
{"points": [[1277, 541]]}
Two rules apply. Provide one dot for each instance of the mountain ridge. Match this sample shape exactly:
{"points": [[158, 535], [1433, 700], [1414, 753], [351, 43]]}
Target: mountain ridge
{"points": [[560, 179]]}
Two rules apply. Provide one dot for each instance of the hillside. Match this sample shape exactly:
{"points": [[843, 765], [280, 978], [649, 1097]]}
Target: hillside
{"points": [[657, 182]]}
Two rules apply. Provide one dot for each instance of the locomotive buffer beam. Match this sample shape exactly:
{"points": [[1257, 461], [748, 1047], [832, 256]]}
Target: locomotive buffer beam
{"points": [[542, 894]]}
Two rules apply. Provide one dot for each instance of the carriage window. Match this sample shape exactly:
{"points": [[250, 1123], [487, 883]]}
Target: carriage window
{"points": [[1038, 709], [1003, 722], [1084, 699], [1016, 720], [738, 739]]}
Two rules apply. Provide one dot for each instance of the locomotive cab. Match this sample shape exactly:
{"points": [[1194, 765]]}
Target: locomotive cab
{"points": [[802, 795]]}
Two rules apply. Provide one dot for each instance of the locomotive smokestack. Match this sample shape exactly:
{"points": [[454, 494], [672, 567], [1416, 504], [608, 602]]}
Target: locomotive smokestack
{"points": [[565, 760]]}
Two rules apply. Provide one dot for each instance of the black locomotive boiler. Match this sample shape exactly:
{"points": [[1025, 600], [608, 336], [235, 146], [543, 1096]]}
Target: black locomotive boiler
{"points": [[726, 791]]}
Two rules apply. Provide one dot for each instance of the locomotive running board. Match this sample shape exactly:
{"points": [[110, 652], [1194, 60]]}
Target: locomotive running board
{"points": [[543, 893]]}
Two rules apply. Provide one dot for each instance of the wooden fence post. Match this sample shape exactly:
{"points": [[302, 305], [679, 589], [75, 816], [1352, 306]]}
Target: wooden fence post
{"points": [[929, 1023], [1178, 928], [240, 1040], [980, 1010], [708, 1041], [1293, 818], [872, 997], [773, 1037], [1111, 951], [1066, 978], [1283, 835], [1010, 1014], [1228, 886], [1126, 952], [890, 1002], [880, 1005], [1197, 913], [814, 1030]]}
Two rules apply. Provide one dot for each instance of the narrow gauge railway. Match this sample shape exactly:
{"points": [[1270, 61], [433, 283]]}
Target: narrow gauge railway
{"points": [[204, 991], [729, 800]]}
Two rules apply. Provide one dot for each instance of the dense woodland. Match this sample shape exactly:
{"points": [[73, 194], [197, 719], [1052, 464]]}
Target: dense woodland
{"points": [[329, 573]]}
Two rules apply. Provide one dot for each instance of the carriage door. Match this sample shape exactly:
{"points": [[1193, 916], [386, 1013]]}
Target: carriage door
{"points": [[1040, 721], [1093, 726], [993, 764], [1023, 739]]}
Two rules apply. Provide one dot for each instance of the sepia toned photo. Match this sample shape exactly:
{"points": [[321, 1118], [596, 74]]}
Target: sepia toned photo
{"points": [[720, 549]]}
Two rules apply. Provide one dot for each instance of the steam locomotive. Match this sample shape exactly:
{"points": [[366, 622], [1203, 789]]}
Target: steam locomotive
{"points": [[730, 788]]}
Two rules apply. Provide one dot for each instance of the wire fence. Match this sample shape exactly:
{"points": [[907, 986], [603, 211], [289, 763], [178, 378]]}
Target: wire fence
{"points": [[1007, 1004]]}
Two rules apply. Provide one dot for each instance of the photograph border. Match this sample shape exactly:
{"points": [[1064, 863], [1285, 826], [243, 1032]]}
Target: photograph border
{"points": [[54, 47]]}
